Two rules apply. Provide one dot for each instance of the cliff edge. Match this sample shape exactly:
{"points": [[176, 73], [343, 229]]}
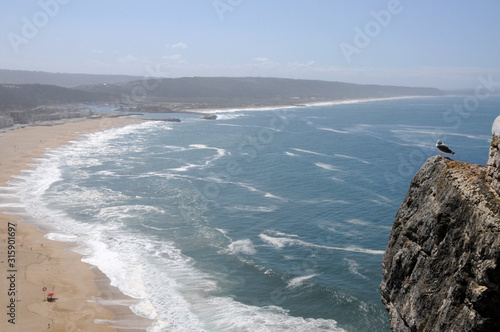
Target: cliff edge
{"points": [[441, 269]]}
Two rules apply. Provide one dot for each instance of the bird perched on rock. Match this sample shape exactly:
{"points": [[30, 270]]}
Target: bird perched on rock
{"points": [[443, 148]]}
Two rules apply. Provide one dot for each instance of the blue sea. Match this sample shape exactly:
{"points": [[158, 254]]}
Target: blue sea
{"points": [[262, 220]]}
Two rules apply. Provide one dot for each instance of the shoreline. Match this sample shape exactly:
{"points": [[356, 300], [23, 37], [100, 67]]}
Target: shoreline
{"points": [[284, 106], [31, 263], [86, 300]]}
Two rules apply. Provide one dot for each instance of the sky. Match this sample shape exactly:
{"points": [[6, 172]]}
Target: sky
{"points": [[448, 44]]}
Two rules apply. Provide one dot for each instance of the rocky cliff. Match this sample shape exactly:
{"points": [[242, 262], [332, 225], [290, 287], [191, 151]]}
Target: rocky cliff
{"points": [[441, 269]]}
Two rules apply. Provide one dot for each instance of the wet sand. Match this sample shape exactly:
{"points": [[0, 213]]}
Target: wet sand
{"points": [[32, 266]]}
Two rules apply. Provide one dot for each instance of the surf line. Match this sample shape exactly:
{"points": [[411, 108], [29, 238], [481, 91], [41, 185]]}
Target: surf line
{"points": [[280, 242]]}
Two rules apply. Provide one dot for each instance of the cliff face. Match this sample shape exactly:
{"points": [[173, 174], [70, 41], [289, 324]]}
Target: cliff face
{"points": [[441, 269], [493, 174]]}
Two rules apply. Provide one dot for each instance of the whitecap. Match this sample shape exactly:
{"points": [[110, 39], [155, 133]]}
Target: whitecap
{"points": [[354, 267], [61, 237], [269, 195], [220, 153], [351, 157], [251, 208], [277, 242], [310, 152], [358, 222], [153, 228], [328, 167], [106, 173], [436, 133], [281, 233], [224, 232], [184, 168], [386, 199], [244, 246], [247, 126], [299, 280], [380, 202], [335, 130], [280, 242], [337, 201], [122, 212]]}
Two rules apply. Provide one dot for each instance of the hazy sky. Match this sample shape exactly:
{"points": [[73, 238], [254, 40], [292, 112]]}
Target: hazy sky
{"points": [[444, 44]]}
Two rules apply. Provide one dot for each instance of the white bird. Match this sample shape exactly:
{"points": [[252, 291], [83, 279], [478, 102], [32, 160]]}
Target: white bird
{"points": [[443, 148]]}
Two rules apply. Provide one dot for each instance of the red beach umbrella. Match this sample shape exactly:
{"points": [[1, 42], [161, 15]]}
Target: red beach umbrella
{"points": [[50, 298]]}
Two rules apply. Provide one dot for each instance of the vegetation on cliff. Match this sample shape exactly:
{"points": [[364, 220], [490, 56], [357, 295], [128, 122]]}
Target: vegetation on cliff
{"points": [[22, 89], [23, 96], [251, 91]]}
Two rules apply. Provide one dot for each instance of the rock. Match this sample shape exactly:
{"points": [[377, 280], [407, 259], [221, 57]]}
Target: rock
{"points": [[441, 268], [210, 117], [493, 175]]}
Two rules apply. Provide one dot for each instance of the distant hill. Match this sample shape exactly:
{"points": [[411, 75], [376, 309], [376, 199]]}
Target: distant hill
{"points": [[60, 79], [22, 96], [229, 92], [467, 92], [182, 93]]}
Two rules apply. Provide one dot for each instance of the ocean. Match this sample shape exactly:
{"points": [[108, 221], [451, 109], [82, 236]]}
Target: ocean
{"points": [[262, 220]]}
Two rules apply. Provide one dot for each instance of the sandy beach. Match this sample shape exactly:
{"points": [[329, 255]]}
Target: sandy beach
{"points": [[32, 266], [215, 109]]}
